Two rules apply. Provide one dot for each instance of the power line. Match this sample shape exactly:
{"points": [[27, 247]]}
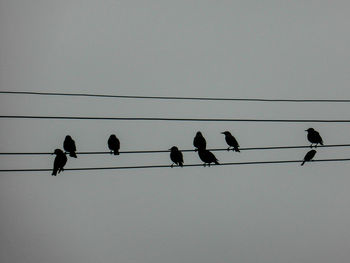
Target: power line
{"points": [[168, 166], [171, 97], [171, 119], [185, 150]]}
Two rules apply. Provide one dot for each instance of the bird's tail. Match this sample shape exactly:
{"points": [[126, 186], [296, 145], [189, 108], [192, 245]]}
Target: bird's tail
{"points": [[236, 149], [116, 152], [54, 172], [73, 154], [302, 163], [216, 162]]}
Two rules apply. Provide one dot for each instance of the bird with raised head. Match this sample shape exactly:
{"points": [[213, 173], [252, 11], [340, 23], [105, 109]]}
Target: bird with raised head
{"points": [[314, 137], [231, 141]]}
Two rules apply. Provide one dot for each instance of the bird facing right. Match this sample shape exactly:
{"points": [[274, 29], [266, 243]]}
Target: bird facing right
{"points": [[60, 161], [231, 141], [207, 157], [69, 146], [114, 144], [314, 137], [176, 156]]}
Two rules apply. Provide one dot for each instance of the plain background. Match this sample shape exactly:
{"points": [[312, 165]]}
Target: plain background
{"points": [[244, 49]]}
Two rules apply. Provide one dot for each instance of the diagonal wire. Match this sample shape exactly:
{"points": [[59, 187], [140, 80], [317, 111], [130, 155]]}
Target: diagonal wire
{"points": [[171, 97], [168, 166]]}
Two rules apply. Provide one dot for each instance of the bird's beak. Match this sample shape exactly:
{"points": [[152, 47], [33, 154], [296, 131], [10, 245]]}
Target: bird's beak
{"points": [[305, 130], [222, 133]]}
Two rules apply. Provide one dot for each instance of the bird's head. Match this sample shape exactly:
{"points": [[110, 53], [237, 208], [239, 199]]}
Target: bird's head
{"points": [[226, 132], [57, 151], [112, 136], [68, 137], [174, 148], [310, 130], [199, 134]]}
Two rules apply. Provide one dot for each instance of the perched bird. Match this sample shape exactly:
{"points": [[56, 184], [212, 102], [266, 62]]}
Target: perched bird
{"points": [[199, 142], [69, 146], [314, 137], [114, 144], [60, 161], [176, 156], [308, 156], [231, 141], [207, 157]]}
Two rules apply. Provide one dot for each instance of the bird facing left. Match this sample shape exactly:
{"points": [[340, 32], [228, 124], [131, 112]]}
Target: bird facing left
{"points": [[176, 156], [60, 162]]}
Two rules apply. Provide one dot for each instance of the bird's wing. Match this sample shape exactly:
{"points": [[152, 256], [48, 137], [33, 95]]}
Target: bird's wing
{"points": [[65, 145], [181, 158], [74, 148], [211, 156]]}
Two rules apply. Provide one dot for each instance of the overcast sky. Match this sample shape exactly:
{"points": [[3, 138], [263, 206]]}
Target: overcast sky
{"points": [[247, 49]]}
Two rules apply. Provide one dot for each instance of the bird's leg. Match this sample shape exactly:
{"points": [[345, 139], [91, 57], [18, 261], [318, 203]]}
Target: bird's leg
{"points": [[228, 149], [172, 165], [204, 164], [208, 164]]}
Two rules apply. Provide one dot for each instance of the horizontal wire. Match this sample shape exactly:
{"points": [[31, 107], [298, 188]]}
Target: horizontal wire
{"points": [[168, 166], [171, 119], [186, 150], [170, 97]]}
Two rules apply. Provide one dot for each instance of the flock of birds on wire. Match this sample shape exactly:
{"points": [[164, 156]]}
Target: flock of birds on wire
{"points": [[176, 156]]}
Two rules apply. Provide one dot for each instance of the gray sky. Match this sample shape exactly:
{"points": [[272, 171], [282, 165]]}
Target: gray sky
{"points": [[269, 49]]}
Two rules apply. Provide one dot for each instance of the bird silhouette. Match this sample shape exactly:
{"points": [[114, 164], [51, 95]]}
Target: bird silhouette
{"points": [[176, 156], [308, 156], [314, 137], [207, 157], [69, 146], [60, 161], [199, 142], [114, 144], [231, 141]]}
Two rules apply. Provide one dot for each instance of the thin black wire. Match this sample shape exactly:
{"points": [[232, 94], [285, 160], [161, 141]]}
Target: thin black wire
{"points": [[168, 166], [186, 150], [170, 119], [170, 97]]}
